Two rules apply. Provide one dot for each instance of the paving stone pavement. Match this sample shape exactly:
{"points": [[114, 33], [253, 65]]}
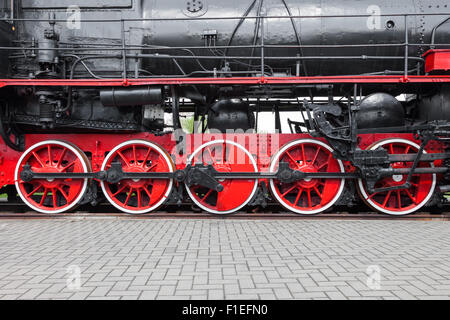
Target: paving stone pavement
{"points": [[223, 259]]}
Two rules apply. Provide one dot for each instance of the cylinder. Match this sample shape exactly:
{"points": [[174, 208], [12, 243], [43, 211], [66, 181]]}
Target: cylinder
{"points": [[47, 54], [46, 113], [139, 96]]}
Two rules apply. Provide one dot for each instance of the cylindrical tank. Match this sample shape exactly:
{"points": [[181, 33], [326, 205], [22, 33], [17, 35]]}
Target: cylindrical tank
{"points": [[380, 110], [375, 29], [231, 115], [381, 27]]}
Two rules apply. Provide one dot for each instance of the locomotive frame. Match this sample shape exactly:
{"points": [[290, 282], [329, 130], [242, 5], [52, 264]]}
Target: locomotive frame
{"points": [[412, 161]]}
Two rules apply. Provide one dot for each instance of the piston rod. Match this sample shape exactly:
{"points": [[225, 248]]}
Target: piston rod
{"points": [[197, 174]]}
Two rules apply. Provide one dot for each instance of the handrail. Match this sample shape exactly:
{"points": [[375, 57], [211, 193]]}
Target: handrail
{"points": [[234, 17]]}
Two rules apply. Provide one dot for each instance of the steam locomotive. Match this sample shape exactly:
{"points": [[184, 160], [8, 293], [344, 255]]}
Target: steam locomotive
{"points": [[94, 94]]}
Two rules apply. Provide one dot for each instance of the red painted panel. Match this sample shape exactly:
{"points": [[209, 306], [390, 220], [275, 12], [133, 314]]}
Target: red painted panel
{"points": [[263, 147], [437, 60]]}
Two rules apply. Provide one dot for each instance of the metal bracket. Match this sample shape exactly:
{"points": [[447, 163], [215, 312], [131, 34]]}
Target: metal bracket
{"points": [[203, 176], [261, 197]]}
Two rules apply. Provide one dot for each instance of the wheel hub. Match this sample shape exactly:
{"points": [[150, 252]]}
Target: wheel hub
{"points": [[308, 183], [135, 183], [222, 167], [397, 178], [50, 182]]}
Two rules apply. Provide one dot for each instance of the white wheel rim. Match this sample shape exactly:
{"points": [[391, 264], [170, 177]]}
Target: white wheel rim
{"points": [[169, 163], [255, 188], [85, 169], [374, 205], [275, 164]]}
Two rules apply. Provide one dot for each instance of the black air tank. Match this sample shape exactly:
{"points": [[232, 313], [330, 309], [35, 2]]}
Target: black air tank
{"points": [[322, 30]]}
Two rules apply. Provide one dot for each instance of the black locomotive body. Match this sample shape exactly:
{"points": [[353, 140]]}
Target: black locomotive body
{"points": [[179, 24]]}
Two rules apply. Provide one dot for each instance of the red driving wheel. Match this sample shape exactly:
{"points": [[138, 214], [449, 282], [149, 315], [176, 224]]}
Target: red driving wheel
{"points": [[402, 201], [224, 156], [52, 196], [138, 196], [308, 196]]}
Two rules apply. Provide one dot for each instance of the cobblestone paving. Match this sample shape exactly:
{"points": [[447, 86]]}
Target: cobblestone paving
{"points": [[217, 259]]}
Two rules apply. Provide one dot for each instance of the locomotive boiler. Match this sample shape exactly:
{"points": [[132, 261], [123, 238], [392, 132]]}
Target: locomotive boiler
{"points": [[94, 93], [326, 30]]}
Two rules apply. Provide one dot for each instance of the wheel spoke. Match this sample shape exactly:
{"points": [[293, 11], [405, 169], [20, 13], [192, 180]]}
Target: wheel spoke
{"points": [[399, 199], [289, 191], [293, 160], [386, 200], [148, 193], [119, 191], [152, 167], [391, 147], [373, 195], [207, 195], [146, 156], [129, 196], [318, 192], [411, 196], [138, 192], [70, 165], [61, 190], [55, 204], [309, 198], [63, 154], [303, 154], [134, 154], [300, 191], [316, 156], [125, 160], [44, 196], [35, 190], [49, 149], [38, 159]]}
